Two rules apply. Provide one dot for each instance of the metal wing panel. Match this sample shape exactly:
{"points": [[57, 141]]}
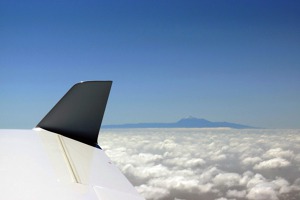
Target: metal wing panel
{"points": [[92, 166], [35, 165], [28, 170]]}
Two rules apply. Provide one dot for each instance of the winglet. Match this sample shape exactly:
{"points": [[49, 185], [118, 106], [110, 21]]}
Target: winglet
{"points": [[78, 115]]}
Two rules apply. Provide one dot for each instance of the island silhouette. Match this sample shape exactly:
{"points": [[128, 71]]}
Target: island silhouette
{"points": [[187, 122]]}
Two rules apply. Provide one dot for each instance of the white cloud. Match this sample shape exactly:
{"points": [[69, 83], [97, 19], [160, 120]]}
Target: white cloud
{"points": [[218, 157], [279, 153], [227, 179], [251, 160], [181, 183], [272, 164], [280, 182], [146, 158], [257, 179], [236, 194], [151, 192], [208, 174], [184, 164], [247, 176], [262, 192]]}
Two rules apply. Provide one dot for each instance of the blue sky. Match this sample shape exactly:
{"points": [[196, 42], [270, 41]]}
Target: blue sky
{"points": [[236, 61]]}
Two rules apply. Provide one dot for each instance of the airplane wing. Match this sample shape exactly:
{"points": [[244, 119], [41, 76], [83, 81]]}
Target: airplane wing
{"points": [[60, 158]]}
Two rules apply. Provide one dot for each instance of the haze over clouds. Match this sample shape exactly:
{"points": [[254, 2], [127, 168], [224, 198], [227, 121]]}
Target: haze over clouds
{"points": [[210, 164]]}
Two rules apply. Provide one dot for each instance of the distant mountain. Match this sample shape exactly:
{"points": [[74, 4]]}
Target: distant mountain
{"points": [[189, 122]]}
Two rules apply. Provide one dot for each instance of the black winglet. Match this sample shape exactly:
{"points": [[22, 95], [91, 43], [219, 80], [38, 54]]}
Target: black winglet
{"points": [[78, 115]]}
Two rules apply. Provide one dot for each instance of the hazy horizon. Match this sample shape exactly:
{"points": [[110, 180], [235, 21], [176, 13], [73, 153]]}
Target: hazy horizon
{"points": [[183, 118]]}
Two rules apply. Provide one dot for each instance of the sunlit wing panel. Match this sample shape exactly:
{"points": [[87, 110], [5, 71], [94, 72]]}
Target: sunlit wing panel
{"points": [[43, 165], [29, 170]]}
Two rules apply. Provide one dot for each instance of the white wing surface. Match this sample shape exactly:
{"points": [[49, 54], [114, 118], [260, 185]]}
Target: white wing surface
{"points": [[41, 164]]}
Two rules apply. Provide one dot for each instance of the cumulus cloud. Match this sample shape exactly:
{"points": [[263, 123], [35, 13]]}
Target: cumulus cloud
{"points": [[251, 160], [210, 164], [227, 180], [236, 194], [273, 164], [154, 193], [279, 153], [262, 191], [255, 180]]}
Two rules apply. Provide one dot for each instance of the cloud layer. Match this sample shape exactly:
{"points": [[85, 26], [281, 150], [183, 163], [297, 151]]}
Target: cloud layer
{"points": [[211, 164]]}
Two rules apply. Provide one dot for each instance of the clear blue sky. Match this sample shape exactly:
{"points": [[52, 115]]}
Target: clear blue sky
{"points": [[236, 61]]}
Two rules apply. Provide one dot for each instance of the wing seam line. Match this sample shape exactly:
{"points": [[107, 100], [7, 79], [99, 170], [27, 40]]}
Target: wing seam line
{"points": [[68, 160]]}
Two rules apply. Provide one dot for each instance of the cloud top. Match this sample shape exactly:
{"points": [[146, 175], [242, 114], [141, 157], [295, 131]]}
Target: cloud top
{"points": [[186, 164]]}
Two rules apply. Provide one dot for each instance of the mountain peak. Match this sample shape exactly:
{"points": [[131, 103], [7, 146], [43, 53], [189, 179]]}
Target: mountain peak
{"points": [[193, 122], [190, 117]]}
